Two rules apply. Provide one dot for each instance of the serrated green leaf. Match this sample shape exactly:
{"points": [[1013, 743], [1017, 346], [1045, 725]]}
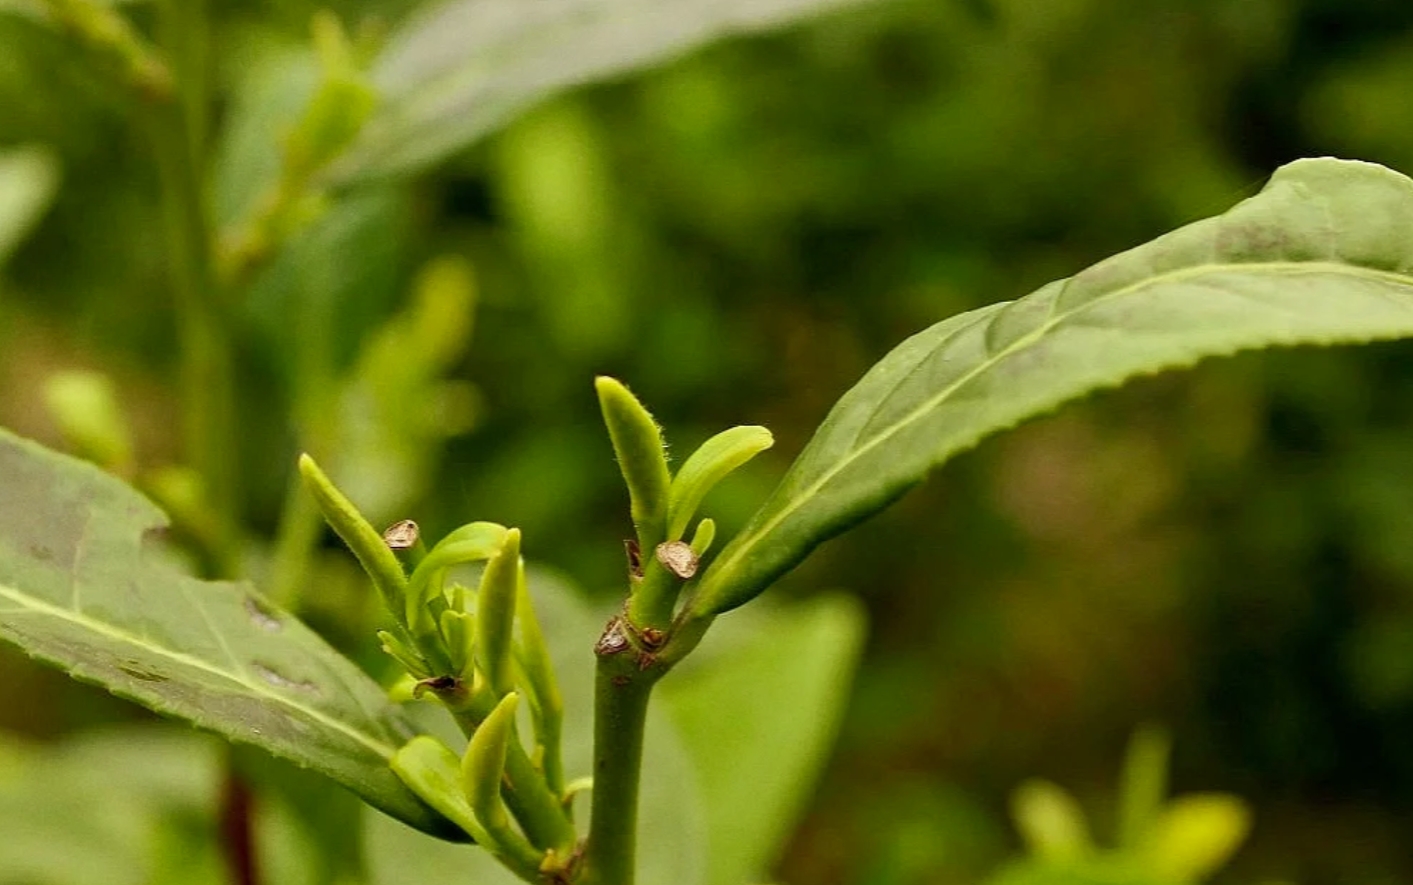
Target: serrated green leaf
{"points": [[81, 589], [459, 70], [1323, 255]]}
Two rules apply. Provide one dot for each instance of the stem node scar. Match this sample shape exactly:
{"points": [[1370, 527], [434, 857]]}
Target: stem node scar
{"points": [[614, 639], [402, 535]]}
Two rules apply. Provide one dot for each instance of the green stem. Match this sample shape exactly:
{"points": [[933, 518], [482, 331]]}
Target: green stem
{"points": [[624, 683]]}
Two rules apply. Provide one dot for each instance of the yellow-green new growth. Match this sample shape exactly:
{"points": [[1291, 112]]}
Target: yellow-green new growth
{"points": [[366, 542], [495, 614], [473, 542], [532, 656], [482, 770], [707, 466], [637, 441]]}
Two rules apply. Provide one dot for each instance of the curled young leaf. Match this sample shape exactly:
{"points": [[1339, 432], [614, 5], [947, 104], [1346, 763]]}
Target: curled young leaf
{"points": [[707, 466], [474, 542], [1051, 821]]}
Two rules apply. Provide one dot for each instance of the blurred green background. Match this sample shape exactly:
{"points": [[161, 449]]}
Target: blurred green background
{"points": [[738, 235]]}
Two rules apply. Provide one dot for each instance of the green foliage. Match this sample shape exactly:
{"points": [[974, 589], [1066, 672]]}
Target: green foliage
{"points": [[735, 235], [1178, 842], [84, 590], [148, 821], [462, 68], [1321, 256]]}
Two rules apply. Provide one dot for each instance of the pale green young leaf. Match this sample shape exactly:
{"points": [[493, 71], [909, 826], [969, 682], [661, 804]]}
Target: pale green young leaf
{"points": [[458, 70], [672, 842], [82, 587], [1323, 255]]}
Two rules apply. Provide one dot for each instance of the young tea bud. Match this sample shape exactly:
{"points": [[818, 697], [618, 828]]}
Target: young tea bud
{"points": [[637, 441], [364, 540], [495, 615]]}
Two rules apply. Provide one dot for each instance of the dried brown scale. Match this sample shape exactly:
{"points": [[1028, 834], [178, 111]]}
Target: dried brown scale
{"points": [[614, 640], [635, 559], [678, 558], [402, 535]]}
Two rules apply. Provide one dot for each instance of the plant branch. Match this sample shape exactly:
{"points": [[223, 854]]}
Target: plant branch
{"points": [[626, 674]]}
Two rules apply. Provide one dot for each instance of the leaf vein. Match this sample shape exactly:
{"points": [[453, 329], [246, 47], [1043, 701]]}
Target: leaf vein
{"points": [[30, 605]]}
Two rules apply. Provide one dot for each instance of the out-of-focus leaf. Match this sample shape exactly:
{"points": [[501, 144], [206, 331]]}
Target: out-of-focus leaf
{"points": [[1197, 834], [672, 841], [94, 808], [1323, 255], [28, 178], [397, 408], [1051, 821], [79, 590], [1144, 785], [757, 709], [460, 69]]}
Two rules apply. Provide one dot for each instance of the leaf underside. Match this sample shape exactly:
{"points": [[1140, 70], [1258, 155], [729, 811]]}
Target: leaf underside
{"points": [[463, 68], [82, 588], [1323, 255]]}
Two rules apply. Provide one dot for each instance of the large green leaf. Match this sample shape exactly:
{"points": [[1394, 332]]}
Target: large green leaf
{"points": [[81, 588], [757, 707], [462, 68], [1323, 255]]}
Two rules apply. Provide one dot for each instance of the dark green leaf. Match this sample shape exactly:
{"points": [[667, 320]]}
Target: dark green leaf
{"points": [[1323, 255], [81, 588]]}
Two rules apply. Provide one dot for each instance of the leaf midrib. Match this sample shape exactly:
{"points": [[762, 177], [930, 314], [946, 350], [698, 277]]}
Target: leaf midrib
{"points": [[1302, 267], [32, 604]]}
